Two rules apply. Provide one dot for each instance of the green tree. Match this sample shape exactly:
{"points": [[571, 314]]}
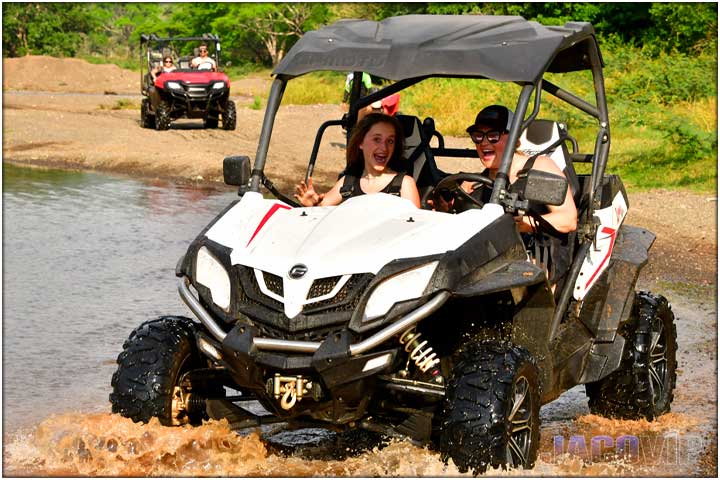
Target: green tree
{"points": [[685, 27], [56, 29], [122, 25]]}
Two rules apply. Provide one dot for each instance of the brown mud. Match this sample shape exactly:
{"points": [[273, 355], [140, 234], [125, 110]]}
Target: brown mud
{"points": [[66, 113]]}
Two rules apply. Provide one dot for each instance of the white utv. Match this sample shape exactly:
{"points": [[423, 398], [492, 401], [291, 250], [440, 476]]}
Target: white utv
{"points": [[436, 326]]}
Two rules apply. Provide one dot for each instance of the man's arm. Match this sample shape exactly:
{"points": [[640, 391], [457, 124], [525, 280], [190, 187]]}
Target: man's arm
{"points": [[563, 217]]}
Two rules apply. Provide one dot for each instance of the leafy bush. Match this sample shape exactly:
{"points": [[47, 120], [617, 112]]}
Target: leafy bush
{"points": [[633, 75]]}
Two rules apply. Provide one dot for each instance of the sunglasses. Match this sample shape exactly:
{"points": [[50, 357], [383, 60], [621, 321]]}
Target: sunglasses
{"points": [[493, 136], [168, 61], [203, 49]]}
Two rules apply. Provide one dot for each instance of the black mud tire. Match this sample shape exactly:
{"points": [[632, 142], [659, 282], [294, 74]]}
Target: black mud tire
{"points": [[210, 122], [150, 366], [162, 116], [229, 116], [147, 119], [491, 415], [642, 386]]}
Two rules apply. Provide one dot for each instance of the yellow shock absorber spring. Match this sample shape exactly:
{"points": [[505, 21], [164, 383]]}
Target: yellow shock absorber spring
{"points": [[423, 356]]}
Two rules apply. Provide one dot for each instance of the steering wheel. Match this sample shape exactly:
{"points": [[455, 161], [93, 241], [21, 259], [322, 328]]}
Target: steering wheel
{"points": [[462, 200]]}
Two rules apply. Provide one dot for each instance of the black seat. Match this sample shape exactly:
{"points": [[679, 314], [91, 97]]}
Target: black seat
{"points": [[421, 161], [540, 135]]}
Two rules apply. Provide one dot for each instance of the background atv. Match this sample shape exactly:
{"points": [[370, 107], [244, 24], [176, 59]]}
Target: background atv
{"points": [[377, 315], [185, 92]]}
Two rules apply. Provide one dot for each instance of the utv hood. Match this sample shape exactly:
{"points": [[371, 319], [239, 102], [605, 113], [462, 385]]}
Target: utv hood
{"points": [[361, 235]]}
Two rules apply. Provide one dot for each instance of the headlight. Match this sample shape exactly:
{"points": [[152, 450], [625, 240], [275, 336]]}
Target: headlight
{"points": [[405, 286], [209, 272], [218, 86], [173, 85]]}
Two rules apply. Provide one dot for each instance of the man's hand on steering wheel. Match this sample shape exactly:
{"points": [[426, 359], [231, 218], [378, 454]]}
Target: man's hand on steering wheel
{"points": [[448, 195]]}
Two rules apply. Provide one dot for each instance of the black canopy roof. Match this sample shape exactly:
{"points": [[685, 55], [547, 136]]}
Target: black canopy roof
{"points": [[504, 48]]}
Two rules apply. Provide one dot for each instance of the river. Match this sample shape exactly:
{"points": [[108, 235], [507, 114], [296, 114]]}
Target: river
{"points": [[88, 257]]}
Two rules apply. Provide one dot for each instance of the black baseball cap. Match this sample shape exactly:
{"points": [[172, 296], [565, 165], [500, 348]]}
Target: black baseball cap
{"points": [[494, 116]]}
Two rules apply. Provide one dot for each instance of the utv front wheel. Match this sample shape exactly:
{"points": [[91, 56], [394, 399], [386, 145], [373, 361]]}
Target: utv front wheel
{"points": [[162, 116], [229, 116], [491, 416], [150, 369], [643, 384], [147, 120]]}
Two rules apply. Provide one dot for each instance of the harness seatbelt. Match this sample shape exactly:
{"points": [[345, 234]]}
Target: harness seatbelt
{"points": [[348, 187]]}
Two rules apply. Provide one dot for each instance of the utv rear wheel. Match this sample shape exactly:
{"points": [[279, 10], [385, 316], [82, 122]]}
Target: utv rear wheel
{"points": [[229, 116], [150, 369], [491, 416], [162, 116], [643, 384], [147, 120]]}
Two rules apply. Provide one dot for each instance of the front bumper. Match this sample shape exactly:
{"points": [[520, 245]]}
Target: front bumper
{"points": [[196, 100], [343, 374], [294, 346]]}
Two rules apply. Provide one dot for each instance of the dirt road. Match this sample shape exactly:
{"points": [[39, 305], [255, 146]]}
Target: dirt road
{"points": [[62, 113]]}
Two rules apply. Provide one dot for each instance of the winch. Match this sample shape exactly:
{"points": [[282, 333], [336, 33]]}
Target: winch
{"points": [[291, 389]]}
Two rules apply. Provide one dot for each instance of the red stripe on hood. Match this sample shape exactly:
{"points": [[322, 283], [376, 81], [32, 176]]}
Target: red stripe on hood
{"points": [[267, 216]]}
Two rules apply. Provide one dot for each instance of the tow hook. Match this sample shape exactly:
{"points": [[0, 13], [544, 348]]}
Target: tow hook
{"points": [[290, 390]]}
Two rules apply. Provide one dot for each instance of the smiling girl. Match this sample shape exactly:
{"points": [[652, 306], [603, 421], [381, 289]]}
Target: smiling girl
{"points": [[374, 164]]}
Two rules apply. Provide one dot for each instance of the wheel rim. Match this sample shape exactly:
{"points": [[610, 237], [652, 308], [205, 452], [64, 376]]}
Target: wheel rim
{"points": [[518, 447], [179, 414], [658, 363]]}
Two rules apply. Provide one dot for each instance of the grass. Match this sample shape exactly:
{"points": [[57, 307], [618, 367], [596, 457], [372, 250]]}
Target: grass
{"points": [[126, 63], [315, 88], [693, 291], [653, 145], [122, 104]]}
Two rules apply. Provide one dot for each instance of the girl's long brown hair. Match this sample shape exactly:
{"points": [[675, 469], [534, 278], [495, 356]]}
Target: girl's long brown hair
{"points": [[354, 156]]}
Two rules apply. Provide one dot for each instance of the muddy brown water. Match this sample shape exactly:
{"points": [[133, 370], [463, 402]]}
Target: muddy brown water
{"points": [[87, 257]]}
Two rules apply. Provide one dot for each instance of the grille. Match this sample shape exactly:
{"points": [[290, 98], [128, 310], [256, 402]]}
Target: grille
{"points": [[346, 299], [322, 286], [345, 302], [273, 283], [250, 294]]}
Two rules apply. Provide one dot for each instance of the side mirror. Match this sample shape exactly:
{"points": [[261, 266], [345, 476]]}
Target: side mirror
{"points": [[236, 170], [542, 187]]}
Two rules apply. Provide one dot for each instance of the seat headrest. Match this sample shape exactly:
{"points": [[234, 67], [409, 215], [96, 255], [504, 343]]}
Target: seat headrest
{"points": [[539, 135], [410, 125]]}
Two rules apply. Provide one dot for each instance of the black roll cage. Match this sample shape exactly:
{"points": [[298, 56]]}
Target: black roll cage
{"points": [[152, 40], [598, 158]]}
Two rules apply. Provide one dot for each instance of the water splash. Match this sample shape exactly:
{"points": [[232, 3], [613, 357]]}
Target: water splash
{"points": [[110, 445], [76, 444]]}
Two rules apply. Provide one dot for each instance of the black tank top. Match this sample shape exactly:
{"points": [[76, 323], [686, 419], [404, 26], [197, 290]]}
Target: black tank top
{"points": [[351, 186]]}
